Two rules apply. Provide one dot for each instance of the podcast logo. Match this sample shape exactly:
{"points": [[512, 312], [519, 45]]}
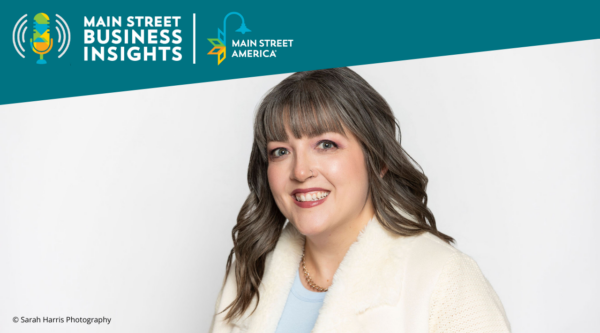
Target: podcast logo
{"points": [[40, 42], [220, 43]]}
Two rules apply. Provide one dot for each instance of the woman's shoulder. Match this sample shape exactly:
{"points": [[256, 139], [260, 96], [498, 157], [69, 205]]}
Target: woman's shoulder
{"points": [[431, 254], [460, 295], [428, 260], [427, 252]]}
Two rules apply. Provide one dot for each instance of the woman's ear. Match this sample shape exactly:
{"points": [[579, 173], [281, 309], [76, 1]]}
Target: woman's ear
{"points": [[383, 171]]}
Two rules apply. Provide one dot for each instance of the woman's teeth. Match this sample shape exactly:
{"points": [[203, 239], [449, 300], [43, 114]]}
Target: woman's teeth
{"points": [[311, 196]]}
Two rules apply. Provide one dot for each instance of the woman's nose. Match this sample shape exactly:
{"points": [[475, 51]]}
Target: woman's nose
{"points": [[303, 168]]}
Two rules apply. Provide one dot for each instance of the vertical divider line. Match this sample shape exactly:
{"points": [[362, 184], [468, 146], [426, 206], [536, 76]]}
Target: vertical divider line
{"points": [[194, 33]]}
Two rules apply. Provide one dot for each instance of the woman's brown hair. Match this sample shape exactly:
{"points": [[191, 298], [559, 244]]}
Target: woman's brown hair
{"points": [[312, 103]]}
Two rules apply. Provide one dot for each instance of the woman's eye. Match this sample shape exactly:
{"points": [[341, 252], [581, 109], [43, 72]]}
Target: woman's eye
{"points": [[278, 152], [326, 144]]}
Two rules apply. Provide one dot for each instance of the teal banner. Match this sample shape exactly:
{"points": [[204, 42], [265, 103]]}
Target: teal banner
{"points": [[64, 49]]}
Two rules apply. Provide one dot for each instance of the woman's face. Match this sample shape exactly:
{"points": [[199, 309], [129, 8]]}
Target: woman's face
{"points": [[336, 193]]}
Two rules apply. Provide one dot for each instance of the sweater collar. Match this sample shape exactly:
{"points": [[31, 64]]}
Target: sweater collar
{"points": [[369, 276]]}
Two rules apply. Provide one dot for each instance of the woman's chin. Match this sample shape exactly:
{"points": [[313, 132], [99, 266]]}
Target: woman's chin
{"points": [[310, 228]]}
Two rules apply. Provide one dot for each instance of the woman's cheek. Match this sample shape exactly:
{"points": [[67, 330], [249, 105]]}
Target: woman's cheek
{"points": [[277, 179], [333, 164], [353, 176], [272, 178]]}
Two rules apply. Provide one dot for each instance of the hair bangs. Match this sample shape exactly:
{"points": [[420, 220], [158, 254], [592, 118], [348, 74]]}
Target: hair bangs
{"points": [[304, 111]]}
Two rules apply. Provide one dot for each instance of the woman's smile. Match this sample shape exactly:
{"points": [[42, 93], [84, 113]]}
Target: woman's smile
{"points": [[310, 197]]}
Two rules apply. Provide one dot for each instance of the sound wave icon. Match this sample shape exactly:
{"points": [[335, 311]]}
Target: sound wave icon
{"points": [[62, 30]]}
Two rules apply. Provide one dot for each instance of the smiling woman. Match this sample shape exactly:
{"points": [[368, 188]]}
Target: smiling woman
{"points": [[340, 182], [360, 251]]}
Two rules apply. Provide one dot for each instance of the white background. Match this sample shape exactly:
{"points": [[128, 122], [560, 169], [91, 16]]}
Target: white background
{"points": [[121, 205]]}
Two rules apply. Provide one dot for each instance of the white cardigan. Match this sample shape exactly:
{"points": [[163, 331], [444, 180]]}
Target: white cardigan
{"points": [[385, 283]]}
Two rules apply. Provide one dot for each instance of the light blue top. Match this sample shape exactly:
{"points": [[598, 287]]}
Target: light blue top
{"points": [[301, 309]]}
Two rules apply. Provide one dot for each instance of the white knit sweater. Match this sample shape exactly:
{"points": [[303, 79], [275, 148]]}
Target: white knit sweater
{"points": [[386, 283]]}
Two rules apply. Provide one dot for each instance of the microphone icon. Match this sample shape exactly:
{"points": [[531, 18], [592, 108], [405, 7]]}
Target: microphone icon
{"points": [[41, 43]]}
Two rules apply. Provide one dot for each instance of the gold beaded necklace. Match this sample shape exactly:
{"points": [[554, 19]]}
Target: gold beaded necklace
{"points": [[307, 276]]}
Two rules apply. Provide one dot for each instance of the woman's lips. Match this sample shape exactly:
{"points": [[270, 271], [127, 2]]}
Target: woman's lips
{"points": [[309, 203], [310, 189]]}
